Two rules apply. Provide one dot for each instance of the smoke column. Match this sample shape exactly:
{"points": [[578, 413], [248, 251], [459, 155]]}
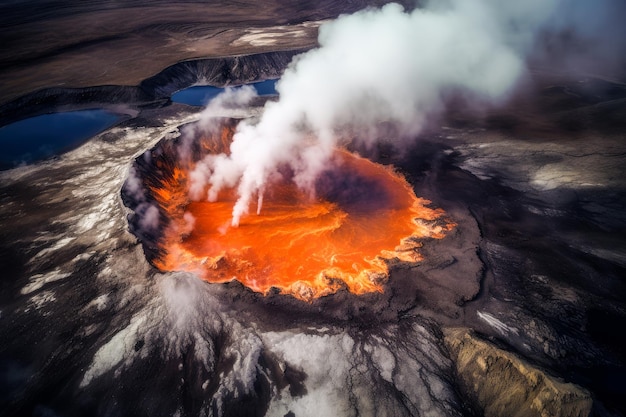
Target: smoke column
{"points": [[375, 68]]}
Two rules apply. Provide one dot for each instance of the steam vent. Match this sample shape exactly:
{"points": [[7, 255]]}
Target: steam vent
{"points": [[305, 209], [358, 217]]}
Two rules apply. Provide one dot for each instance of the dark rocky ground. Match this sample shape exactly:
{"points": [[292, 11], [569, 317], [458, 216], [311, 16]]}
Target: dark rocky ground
{"points": [[59, 43], [521, 309]]}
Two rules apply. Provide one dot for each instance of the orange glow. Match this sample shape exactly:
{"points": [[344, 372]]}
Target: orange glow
{"points": [[364, 216]]}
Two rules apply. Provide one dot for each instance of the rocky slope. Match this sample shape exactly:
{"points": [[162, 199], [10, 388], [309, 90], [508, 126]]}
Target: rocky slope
{"points": [[154, 91], [535, 267], [55, 43], [502, 384]]}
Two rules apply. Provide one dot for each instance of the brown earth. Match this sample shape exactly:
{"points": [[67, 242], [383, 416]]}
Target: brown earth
{"points": [[55, 44], [505, 385]]}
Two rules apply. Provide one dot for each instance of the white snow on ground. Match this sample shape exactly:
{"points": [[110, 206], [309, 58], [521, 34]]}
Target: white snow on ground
{"points": [[538, 167], [271, 35], [39, 280], [99, 303], [94, 174], [39, 300], [345, 374], [118, 348], [502, 328], [58, 245], [326, 360], [174, 314]]}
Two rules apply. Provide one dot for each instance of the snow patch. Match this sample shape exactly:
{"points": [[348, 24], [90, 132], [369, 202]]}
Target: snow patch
{"points": [[502, 328], [120, 347], [38, 301], [60, 244], [326, 361], [39, 280], [99, 303]]}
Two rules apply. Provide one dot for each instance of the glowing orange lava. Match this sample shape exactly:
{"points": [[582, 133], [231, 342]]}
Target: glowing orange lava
{"points": [[364, 215]]}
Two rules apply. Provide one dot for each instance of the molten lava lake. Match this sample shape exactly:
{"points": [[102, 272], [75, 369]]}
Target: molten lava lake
{"points": [[360, 217]]}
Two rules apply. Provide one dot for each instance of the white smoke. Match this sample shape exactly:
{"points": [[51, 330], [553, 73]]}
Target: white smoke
{"points": [[375, 68], [585, 37], [227, 104], [149, 216], [231, 103], [147, 212], [134, 185]]}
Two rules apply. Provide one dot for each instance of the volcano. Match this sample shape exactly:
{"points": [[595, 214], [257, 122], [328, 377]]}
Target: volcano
{"points": [[358, 217], [126, 290]]}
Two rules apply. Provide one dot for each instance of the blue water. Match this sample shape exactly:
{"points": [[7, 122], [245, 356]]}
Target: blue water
{"points": [[201, 95], [266, 88], [41, 137]]}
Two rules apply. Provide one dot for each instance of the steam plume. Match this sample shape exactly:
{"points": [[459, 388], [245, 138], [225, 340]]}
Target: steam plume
{"points": [[379, 67]]}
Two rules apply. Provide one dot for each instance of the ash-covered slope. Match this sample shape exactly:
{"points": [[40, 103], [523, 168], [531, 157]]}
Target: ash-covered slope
{"points": [[154, 91], [218, 72], [535, 266], [56, 43], [91, 328]]}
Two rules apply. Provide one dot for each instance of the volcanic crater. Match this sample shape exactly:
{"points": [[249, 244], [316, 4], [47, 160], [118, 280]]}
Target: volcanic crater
{"points": [[358, 218], [516, 310]]}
